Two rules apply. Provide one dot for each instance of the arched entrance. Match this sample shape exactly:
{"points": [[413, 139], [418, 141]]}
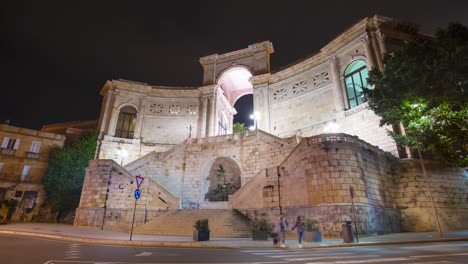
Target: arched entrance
{"points": [[237, 88], [223, 180]]}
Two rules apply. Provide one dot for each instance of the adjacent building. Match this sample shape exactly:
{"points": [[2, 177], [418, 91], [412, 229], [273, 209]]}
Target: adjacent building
{"points": [[23, 162]]}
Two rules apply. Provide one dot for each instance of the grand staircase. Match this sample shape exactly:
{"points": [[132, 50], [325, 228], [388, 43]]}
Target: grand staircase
{"points": [[222, 223]]}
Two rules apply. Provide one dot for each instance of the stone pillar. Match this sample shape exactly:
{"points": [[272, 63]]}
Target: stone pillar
{"points": [[140, 118], [203, 117], [381, 40], [338, 90], [369, 53], [106, 112], [212, 115], [113, 121]]}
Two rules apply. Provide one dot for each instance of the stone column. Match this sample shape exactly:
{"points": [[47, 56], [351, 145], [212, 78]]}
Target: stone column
{"points": [[113, 120], [106, 112], [369, 53], [381, 40], [203, 117], [212, 115], [139, 120], [338, 90]]}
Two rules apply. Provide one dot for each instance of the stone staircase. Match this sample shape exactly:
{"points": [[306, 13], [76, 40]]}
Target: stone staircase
{"points": [[222, 222]]}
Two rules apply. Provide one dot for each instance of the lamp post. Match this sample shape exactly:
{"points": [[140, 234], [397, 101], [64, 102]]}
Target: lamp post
{"points": [[255, 117], [122, 153], [428, 188]]}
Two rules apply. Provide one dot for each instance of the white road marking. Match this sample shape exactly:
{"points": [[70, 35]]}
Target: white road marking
{"points": [[144, 254], [375, 260], [304, 254], [331, 257]]}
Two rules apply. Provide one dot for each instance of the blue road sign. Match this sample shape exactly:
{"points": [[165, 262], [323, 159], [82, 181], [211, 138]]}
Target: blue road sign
{"points": [[137, 194]]}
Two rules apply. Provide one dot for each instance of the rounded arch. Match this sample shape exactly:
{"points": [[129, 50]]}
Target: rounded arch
{"points": [[129, 104], [355, 76], [126, 121], [221, 177], [235, 82]]}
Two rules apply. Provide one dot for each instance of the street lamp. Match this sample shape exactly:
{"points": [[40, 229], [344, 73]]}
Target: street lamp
{"points": [[255, 117], [122, 153]]}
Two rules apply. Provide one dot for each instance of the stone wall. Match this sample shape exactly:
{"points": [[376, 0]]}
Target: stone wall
{"points": [[108, 190], [184, 170], [449, 187], [315, 180]]}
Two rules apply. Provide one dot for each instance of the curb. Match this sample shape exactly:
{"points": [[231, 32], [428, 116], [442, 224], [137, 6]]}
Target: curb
{"points": [[209, 244]]}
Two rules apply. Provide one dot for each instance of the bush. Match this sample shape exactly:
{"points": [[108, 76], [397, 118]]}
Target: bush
{"points": [[311, 225], [260, 225], [202, 225]]}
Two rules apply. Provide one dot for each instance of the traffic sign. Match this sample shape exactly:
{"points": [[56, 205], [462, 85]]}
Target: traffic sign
{"points": [[137, 194], [139, 180]]}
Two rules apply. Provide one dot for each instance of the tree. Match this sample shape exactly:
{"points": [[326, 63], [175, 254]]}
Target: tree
{"points": [[64, 177], [424, 87], [238, 127]]}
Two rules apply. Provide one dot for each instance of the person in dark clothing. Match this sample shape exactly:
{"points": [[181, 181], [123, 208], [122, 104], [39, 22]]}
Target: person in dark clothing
{"points": [[299, 226]]}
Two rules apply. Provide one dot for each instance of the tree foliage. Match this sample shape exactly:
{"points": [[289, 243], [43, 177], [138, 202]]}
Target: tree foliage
{"points": [[64, 177], [424, 86], [238, 127]]}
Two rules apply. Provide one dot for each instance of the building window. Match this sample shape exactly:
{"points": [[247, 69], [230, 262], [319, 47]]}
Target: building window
{"points": [[222, 130], [126, 122], [18, 194], [25, 172], [34, 150], [9, 146], [356, 81]]}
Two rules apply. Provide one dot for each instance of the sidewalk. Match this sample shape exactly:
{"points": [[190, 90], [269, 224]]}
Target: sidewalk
{"points": [[76, 234]]}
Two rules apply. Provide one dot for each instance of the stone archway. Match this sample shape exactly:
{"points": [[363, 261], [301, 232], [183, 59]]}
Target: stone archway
{"points": [[235, 83], [224, 179]]}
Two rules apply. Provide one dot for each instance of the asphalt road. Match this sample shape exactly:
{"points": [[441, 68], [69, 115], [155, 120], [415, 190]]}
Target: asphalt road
{"points": [[24, 250]]}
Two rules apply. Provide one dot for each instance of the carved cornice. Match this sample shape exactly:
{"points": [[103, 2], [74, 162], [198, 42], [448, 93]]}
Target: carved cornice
{"points": [[208, 90], [265, 46], [260, 79]]}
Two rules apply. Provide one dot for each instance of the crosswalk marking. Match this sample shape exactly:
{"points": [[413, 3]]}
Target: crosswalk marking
{"points": [[331, 257], [73, 251]]}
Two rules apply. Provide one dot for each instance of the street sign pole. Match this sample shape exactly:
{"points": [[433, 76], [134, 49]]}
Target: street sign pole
{"points": [[137, 195], [133, 220]]}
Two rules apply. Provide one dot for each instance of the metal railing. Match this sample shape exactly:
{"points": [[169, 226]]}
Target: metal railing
{"points": [[7, 152], [32, 155]]}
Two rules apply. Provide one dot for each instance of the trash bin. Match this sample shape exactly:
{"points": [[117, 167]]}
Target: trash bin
{"points": [[347, 233]]}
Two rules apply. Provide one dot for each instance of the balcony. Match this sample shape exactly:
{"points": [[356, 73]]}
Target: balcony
{"points": [[7, 152], [32, 155]]}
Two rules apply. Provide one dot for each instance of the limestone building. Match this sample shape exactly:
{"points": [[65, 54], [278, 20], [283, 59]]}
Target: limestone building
{"points": [[24, 157], [315, 137]]}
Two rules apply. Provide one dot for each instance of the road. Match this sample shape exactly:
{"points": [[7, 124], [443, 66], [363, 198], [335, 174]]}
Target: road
{"points": [[26, 250]]}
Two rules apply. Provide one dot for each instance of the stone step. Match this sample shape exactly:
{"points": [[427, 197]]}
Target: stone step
{"points": [[222, 223]]}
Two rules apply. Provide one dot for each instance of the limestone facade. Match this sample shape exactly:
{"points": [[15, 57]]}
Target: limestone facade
{"points": [[316, 137], [24, 155]]}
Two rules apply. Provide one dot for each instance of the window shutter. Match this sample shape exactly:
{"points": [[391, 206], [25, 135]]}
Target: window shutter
{"points": [[5, 142], [26, 169], [35, 147], [17, 144]]}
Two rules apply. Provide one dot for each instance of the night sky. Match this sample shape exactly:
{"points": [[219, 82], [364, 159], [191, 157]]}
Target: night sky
{"points": [[57, 55]]}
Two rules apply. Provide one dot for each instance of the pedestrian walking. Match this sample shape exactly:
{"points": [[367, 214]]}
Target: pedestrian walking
{"points": [[281, 226], [299, 226]]}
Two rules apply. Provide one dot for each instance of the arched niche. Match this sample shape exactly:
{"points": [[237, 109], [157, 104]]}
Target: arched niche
{"points": [[223, 179]]}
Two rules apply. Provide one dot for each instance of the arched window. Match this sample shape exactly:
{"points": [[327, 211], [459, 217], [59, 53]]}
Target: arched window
{"points": [[126, 122], [355, 77], [222, 130]]}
